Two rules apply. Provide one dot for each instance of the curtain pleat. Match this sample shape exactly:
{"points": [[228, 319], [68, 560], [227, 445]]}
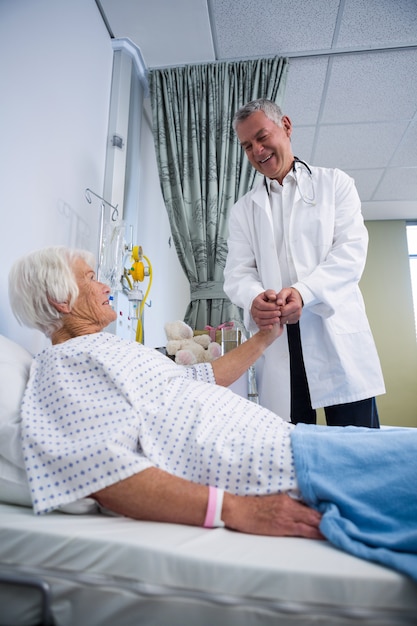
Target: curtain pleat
{"points": [[202, 168]]}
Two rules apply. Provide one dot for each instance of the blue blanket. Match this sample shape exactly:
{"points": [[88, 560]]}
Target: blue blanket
{"points": [[364, 481]]}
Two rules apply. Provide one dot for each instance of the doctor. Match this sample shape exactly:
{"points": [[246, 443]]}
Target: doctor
{"points": [[297, 249]]}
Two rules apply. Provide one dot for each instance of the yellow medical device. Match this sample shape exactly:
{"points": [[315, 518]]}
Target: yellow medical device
{"points": [[136, 274]]}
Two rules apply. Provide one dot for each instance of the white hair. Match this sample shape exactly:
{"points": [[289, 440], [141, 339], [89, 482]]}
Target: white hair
{"points": [[39, 279], [270, 108]]}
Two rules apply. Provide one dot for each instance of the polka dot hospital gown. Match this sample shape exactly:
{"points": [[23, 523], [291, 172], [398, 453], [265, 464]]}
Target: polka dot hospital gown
{"points": [[98, 409]]}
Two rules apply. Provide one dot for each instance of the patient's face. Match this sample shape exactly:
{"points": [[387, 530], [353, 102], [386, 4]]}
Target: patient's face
{"points": [[91, 311]]}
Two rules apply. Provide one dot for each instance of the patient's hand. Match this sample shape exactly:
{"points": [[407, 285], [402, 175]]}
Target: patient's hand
{"points": [[233, 364], [276, 515], [271, 333], [156, 495]]}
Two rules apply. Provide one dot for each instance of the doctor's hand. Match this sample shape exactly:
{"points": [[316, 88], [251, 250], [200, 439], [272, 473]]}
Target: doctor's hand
{"points": [[265, 310], [291, 305], [275, 515]]}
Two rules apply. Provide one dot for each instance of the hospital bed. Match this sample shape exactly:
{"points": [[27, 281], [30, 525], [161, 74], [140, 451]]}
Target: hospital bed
{"points": [[81, 566]]}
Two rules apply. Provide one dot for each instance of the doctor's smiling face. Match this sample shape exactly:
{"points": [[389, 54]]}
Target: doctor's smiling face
{"points": [[267, 145]]}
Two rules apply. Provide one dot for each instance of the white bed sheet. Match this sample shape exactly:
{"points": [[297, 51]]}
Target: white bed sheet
{"points": [[112, 570]]}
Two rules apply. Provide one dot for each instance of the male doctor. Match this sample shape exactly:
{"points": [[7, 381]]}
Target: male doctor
{"points": [[297, 249]]}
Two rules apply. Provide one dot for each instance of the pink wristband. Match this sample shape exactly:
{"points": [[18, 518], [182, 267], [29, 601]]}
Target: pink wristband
{"points": [[214, 509]]}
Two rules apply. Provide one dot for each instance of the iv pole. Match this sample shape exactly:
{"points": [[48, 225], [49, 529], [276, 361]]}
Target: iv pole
{"points": [[114, 216]]}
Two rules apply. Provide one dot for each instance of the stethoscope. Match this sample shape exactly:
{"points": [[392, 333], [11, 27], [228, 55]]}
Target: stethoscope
{"points": [[308, 200]]}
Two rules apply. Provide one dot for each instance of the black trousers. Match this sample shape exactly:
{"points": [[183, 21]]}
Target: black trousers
{"points": [[361, 413]]}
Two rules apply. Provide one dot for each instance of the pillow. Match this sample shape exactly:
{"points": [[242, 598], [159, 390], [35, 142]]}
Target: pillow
{"points": [[15, 364]]}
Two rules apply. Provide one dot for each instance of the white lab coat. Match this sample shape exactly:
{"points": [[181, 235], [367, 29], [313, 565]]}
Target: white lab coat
{"points": [[328, 245]]}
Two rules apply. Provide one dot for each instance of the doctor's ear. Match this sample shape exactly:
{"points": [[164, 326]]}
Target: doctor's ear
{"points": [[286, 125]]}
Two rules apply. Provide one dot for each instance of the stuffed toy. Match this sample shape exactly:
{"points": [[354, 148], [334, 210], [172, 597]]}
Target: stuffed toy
{"points": [[188, 349]]}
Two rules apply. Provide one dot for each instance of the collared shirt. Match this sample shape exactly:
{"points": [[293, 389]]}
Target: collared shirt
{"points": [[281, 198]]}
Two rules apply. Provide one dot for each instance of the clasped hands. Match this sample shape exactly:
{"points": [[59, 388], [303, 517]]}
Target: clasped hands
{"points": [[271, 307]]}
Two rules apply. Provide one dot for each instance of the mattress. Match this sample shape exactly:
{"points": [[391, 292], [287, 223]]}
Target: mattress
{"points": [[104, 570]]}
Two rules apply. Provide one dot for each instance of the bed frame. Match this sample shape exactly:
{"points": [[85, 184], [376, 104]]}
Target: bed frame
{"points": [[92, 569], [99, 570]]}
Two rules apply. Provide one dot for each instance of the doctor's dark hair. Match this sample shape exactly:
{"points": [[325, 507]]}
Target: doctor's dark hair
{"points": [[39, 279], [270, 108]]}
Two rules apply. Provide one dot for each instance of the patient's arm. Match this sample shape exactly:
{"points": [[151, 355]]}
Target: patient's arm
{"points": [[233, 364], [158, 496]]}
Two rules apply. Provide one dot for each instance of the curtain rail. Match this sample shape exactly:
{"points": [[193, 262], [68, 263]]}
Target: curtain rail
{"points": [[305, 54]]}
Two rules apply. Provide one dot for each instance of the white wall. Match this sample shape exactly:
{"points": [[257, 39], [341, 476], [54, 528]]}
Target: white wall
{"points": [[56, 63], [55, 68]]}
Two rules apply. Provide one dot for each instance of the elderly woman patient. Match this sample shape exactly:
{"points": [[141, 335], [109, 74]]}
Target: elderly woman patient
{"points": [[119, 422]]}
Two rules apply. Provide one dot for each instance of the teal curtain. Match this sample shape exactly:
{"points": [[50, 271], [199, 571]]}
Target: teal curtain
{"points": [[202, 168]]}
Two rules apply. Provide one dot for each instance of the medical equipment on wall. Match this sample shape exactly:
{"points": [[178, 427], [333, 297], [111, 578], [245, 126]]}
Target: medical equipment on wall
{"points": [[110, 244], [122, 266], [140, 268], [311, 199]]}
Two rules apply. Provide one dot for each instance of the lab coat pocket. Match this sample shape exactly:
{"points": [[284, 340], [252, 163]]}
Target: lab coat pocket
{"points": [[349, 317], [320, 225], [311, 235]]}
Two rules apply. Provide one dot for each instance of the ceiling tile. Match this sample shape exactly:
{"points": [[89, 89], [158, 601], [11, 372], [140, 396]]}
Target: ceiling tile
{"points": [[389, 210], [376, 22], [398, 184], [244, 28], [366, 182], [302, 140], [363, 146], [303, 94], [406, 153], [372, 87]]}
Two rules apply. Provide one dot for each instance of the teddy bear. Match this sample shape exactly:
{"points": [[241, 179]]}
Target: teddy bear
{"points": [[188, 349]]}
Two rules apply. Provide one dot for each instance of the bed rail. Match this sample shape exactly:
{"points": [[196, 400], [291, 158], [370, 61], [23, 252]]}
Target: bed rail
{"points": [[17, 579]]}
